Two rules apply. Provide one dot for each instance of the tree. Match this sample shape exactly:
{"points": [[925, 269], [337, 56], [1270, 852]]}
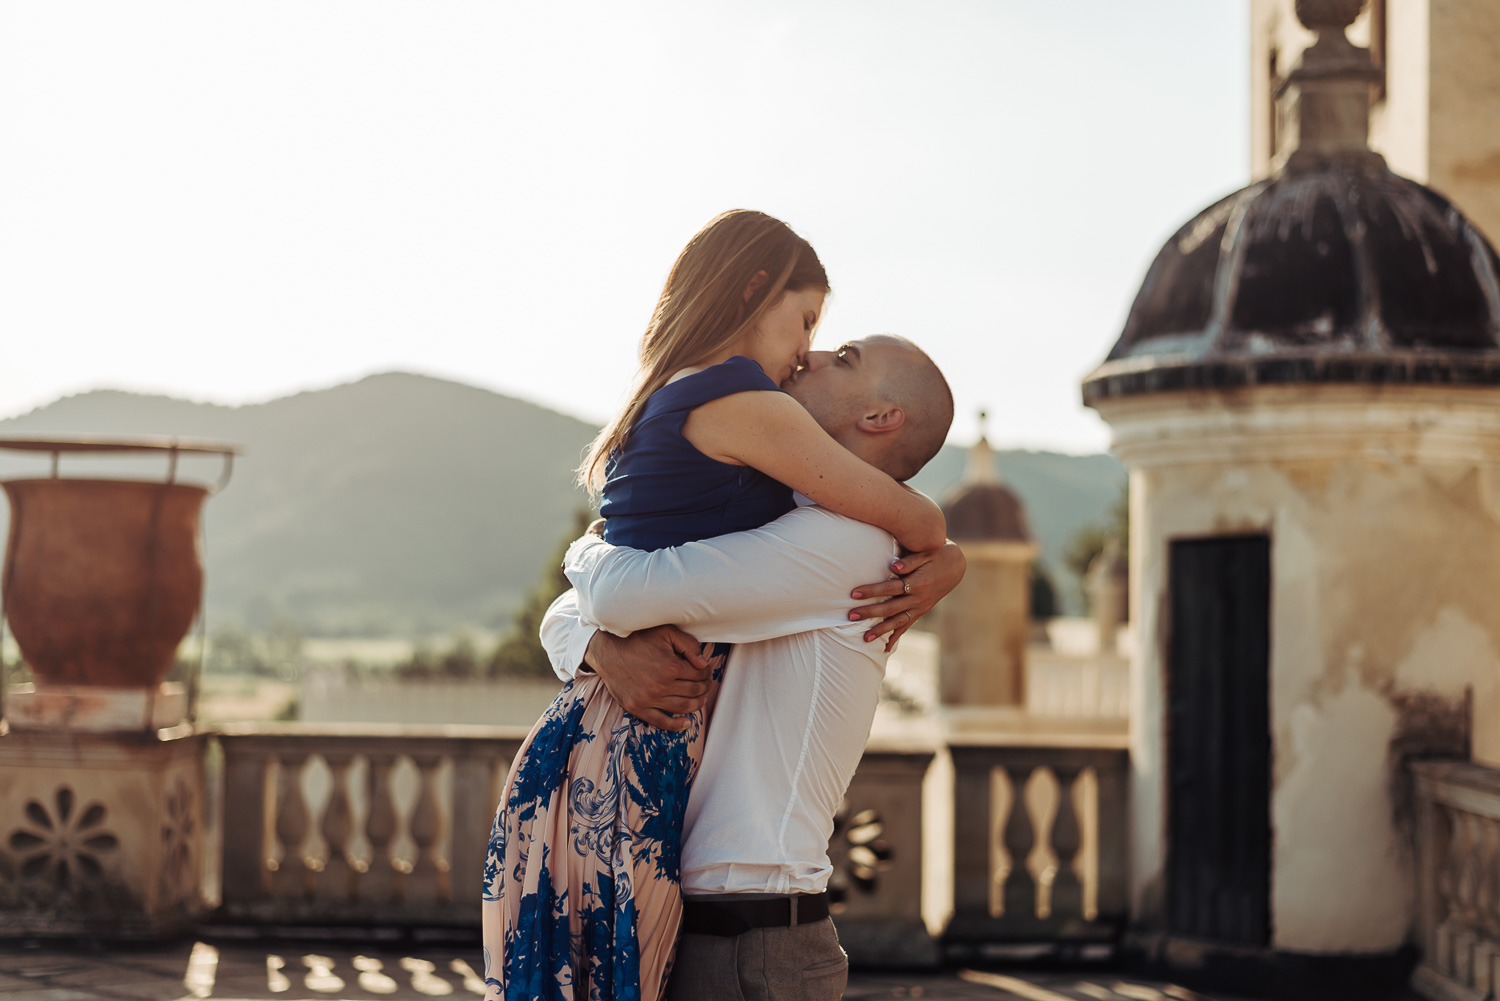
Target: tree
{"points": [[1043, 594], [520, 653], [231, 650], [1089, 541]]}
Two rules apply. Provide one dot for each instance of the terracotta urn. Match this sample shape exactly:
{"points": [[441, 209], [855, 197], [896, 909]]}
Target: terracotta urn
{"points": [[103, 578]]}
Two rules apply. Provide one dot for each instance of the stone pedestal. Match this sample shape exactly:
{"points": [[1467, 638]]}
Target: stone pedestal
{"points": [[95, 708], [100, 835]]}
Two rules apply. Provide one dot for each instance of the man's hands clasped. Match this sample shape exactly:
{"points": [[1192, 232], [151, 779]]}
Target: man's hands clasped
{"points": [[653, 674]]}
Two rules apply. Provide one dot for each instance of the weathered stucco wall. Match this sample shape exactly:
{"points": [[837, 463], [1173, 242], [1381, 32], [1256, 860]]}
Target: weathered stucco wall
{"points": [[1438, 118], [1464, 143], [1385, 527]]}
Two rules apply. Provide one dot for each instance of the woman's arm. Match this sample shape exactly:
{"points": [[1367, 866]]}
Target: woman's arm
{"points": [[923, 579], [773, 433]]}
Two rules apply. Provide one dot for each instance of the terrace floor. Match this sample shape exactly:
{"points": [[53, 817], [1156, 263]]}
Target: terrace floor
{"points": [[289, 971]]}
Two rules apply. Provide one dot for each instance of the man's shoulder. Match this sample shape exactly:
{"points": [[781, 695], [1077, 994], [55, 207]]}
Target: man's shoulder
{"points": [[832, 528]]}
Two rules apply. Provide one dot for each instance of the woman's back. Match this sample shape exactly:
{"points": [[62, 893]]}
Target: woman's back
{"points": [[660, 491]]}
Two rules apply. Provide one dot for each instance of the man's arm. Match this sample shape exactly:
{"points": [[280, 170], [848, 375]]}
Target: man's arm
{"points": [[652, 674], [787, 577], [565, 636]]}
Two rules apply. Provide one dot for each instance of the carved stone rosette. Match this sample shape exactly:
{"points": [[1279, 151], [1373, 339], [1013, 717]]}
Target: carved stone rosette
{"points": [[100, 835]]}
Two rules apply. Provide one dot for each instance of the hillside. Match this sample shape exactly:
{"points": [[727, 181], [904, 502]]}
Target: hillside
{"points": [[399, 503], [404, 504]]}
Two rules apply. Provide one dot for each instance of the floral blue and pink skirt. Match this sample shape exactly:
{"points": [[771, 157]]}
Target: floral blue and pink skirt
{"points": [[582, 895]]}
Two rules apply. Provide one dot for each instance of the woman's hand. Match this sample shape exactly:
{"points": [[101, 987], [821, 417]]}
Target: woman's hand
{"points": [[921, 581]]}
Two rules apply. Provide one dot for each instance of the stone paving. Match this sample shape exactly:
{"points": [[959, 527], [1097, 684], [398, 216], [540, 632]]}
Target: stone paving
{"points": [[376, 971]]}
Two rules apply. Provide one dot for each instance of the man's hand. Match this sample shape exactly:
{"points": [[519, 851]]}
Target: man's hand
{"points": [[921, 581], [652, 673]]}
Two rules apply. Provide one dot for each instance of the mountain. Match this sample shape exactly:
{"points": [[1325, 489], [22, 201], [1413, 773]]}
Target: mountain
{"points": [[403, 504], [1062, 493], [395, 504]]}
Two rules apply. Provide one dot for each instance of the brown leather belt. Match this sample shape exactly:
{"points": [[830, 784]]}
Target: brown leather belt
{"points": [[726, 917]]}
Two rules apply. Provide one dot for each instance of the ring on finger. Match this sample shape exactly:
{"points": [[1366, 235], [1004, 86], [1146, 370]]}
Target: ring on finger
{"points": [[906, 586], [909, 620]]}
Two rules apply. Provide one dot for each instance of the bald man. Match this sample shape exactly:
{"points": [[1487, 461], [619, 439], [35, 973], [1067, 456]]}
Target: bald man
{"points": [[794, 711]]}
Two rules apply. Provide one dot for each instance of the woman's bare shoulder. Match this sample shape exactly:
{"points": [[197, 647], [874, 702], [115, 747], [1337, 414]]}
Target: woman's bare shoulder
{"points": [[718, 428]]}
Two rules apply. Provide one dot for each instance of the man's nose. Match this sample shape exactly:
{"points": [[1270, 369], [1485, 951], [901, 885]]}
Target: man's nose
{"points": [[819, 359]]}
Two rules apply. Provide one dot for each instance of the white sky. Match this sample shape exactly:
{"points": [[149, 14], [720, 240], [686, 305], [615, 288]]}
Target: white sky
{"points": [[231, 201]]}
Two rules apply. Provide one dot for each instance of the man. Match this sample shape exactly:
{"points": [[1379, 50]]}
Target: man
{"points": [[795, 708]]}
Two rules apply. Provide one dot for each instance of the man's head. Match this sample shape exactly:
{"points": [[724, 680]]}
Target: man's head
{"points": [[881, 398]]}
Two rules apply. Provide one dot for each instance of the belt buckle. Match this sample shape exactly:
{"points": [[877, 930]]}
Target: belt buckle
{"points": [[792, 901]]}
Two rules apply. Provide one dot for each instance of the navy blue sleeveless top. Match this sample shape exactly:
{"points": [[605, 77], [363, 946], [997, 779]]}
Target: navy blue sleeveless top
{"points": [[660, 491]]}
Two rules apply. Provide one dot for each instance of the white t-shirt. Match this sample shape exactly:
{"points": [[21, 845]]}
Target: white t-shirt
{"points": [[798, 696]]}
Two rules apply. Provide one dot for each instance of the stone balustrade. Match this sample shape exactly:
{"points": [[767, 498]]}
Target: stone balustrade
{"points": [[1038, 842], [877, 855], [363, 824], [388, 825], [1458, 880]]}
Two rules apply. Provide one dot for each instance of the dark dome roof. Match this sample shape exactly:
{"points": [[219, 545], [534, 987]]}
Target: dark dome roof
{"points": [[1339, 273], [985, 512]]}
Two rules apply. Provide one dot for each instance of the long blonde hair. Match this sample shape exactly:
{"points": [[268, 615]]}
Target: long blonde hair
{"points": [[702, 310]]}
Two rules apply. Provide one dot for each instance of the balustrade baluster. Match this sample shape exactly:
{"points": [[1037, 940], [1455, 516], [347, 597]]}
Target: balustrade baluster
{"points": [[381, 882], [473, 815], [1067, 888], [336, 881], [428, 875], [973, 865], [247, 847], [1466, 880], [1484, 949], [292, 822], [1451, 847], [1019, 838]]}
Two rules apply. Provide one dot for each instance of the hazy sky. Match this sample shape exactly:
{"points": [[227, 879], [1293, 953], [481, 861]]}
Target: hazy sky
{"points": [[232, 201]]}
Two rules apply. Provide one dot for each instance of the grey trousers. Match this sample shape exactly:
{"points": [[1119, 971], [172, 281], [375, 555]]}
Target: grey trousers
{"points": [[801, 963]]}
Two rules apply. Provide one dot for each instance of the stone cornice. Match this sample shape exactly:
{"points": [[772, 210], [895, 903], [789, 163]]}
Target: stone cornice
{"points": [[1307, 423]]}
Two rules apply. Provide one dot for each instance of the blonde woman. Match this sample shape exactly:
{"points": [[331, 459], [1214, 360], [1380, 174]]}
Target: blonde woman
{"points": [[581, 895]]}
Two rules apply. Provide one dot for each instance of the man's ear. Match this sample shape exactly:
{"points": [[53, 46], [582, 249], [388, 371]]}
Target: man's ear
{"points": [[757, 280], [881, 419]]}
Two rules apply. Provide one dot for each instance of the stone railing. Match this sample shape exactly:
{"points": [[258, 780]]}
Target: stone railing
{"points": [[877, 855], [388, 825], [1458, 880], [1038, 842], [362, 824]]}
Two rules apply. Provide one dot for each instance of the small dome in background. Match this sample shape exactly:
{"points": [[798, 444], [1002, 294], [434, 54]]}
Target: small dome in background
{"points": [[981, 508]]}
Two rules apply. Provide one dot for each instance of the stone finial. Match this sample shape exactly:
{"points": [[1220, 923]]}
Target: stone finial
{"points": [[1324, 15], [1323, 105], [981, 467]]}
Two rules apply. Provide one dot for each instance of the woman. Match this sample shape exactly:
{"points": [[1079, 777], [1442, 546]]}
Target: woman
{"points": [[581, 891]]}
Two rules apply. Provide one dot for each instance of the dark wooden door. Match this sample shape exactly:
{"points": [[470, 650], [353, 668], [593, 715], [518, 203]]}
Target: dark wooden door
{"points": [[1219, 740]]}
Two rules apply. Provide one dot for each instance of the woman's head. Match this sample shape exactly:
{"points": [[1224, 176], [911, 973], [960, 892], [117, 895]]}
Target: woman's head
{"points": [[727, 287]]}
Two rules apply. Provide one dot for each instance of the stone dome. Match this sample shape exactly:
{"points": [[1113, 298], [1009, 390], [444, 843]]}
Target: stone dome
{"points": [[985, 512], [1339, 271], [981, 508]]}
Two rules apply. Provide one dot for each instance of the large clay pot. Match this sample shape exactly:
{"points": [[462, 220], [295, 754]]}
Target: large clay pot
{"points": [[102, 577]]}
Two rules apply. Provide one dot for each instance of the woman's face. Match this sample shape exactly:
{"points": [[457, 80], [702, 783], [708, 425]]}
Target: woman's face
{"points": [[784, 334]]}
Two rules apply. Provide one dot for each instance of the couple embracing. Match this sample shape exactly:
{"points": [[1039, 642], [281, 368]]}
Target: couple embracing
{"points": [[664, 830]]}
